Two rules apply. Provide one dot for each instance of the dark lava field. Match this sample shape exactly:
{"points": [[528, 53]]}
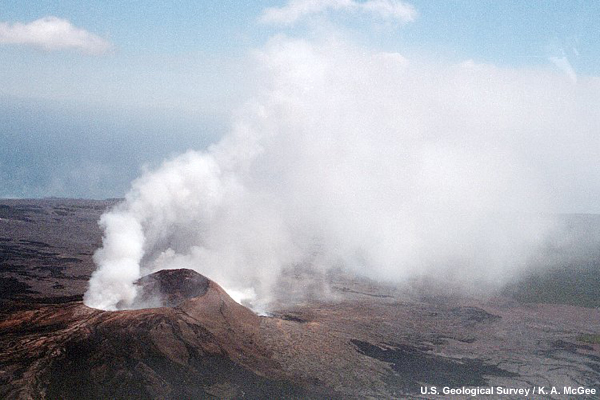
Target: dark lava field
{"points": [[363, 340]]}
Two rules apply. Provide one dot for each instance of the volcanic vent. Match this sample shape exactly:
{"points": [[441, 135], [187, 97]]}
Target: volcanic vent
{"points": [[169, 288]]}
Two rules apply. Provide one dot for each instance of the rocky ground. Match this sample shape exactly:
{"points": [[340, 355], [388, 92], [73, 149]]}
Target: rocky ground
{"points": [[46, 247], [366, 340]]}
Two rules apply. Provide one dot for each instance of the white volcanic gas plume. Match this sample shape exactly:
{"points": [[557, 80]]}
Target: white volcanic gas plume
{"points": [[357, 159]]}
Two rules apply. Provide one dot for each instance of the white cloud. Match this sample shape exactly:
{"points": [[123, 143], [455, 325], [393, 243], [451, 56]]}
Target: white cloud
{"points": [[296, 10], [565, 66], [51, 34], [560, 52]]}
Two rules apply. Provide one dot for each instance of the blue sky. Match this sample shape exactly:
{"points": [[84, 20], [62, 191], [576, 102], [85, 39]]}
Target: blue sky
{"points": [[80, 122]]}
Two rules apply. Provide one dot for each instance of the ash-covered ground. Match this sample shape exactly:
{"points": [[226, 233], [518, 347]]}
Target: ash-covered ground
{"points": [[363, 340], [46, 247]]}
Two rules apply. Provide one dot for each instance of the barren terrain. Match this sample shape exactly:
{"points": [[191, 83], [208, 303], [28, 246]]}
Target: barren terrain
{"points": [[363, 340]]}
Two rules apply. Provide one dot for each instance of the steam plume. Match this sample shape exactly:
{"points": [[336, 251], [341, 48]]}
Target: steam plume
{"points": [[357, 159]]}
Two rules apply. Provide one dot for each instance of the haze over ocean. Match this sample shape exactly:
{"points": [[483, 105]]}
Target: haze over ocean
{"points": [[120, 85]]}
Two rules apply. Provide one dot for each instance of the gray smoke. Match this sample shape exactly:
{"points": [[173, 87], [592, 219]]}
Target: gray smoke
{"points": [[353, 158]]}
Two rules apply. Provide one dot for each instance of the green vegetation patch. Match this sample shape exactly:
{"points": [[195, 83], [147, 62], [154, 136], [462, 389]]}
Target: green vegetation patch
{"points": [[587, 338], [572, 285]]}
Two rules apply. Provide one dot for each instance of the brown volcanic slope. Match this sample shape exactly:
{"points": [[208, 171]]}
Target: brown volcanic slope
{"points": [[207, 346], [366, 341]]}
